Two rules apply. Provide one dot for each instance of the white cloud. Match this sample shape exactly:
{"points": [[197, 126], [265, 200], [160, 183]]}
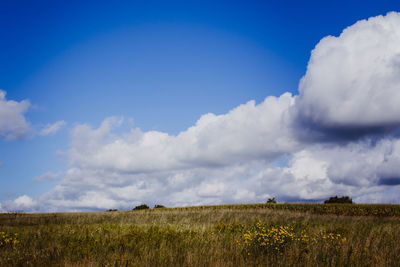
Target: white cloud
{"points": [[51, 129], [353, 81], [24, 201], [13, 124], [48, 176]]}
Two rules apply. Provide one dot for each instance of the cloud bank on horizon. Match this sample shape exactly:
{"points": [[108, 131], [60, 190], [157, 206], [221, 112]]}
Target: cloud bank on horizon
{"points": [[340, 135]]}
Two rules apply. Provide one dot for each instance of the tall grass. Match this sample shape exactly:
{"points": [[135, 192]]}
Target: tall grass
{"points": [[204, 236]]}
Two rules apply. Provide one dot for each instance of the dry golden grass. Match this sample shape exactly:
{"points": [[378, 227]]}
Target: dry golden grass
{"points": [[206, 236]]}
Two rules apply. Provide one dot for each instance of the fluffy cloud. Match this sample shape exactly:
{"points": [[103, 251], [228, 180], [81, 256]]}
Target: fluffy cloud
{"points": [[353, 81], [13, 124], [351, 90], [247, 132], [51, 129]]}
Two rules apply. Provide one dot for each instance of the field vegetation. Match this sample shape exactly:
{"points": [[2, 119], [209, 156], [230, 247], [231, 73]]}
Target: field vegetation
{"points": [[223, 235]]}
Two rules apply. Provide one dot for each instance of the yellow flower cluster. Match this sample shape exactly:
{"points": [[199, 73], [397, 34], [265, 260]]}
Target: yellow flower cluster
{"points": [[8, 239], [260, 238], [274, 238]]}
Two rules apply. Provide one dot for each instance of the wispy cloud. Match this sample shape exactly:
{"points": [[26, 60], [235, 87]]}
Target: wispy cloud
{"points": [[48, 176], [51, 129]]}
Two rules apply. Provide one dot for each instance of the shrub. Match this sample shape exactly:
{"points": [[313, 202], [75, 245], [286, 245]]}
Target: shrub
{"points": [[112, 210], [342, 200], [271, 201], [159, 206], [141, 207]]}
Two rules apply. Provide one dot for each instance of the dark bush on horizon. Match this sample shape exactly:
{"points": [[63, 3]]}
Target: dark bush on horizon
{"points": [[271, 201], [341, 200], [159, 206], [141, 207]]}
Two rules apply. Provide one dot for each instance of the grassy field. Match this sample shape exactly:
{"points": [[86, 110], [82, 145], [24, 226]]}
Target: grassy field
{"points": [[225, 235]]}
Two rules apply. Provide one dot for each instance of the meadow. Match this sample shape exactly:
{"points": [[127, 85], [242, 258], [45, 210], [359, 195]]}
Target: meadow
{"points": [[222, 235]]}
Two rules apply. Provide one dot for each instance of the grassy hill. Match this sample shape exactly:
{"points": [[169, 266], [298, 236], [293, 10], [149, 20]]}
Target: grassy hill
{"points": [[222, 235]]}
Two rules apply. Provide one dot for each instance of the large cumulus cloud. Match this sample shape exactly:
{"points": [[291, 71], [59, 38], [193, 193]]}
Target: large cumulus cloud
{"points": [[352, 81], [350, 95]]}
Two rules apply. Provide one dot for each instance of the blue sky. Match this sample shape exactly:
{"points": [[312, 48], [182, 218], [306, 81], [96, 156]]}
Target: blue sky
{"points": [[159, 65]]}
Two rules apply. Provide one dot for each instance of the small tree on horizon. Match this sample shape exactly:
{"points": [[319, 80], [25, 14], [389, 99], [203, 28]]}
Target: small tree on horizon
{"points": [[271, 200], [341, 200], [141, 207]]}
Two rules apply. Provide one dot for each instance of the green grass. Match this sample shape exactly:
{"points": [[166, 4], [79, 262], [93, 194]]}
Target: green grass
{"points": [[223, 235]]}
